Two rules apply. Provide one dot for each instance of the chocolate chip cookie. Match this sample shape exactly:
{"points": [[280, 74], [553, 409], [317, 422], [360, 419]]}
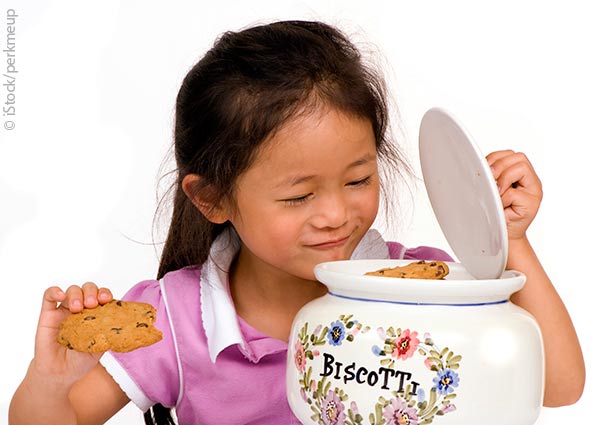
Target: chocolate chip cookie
{"points": [[417, 270], [118, 326]]}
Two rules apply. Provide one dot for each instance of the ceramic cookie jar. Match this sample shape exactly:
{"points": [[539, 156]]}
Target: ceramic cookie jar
{"points": [[381, 350]]}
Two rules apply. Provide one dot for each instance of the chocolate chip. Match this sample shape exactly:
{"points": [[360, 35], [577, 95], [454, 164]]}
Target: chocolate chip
{"points": [[141, 325], [117, 330], [89, 318], [119, 303]]}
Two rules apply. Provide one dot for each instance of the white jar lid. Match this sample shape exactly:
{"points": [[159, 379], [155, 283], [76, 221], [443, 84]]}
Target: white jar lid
{"points": [[463, 194]]}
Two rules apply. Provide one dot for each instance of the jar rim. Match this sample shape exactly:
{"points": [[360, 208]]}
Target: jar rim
{"points": [[346, 279]]}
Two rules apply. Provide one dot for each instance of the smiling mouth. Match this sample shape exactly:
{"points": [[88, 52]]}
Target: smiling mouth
{"points": [[334, 243]]}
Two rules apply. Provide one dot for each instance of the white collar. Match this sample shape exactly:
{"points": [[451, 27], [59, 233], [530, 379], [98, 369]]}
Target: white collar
{"points": [[218, 312]]}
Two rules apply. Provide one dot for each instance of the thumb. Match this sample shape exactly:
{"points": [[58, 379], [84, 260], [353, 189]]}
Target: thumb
{"points": [[51, 316]]}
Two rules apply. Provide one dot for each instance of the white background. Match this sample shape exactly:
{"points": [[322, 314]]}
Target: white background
{"points": [[94, 110]]}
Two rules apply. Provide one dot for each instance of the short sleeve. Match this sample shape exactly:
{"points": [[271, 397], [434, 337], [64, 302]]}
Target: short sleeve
{"points": [[148, 375], [400, 252]]}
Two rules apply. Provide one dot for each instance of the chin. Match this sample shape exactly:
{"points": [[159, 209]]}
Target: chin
{"points": [[335, 257]]}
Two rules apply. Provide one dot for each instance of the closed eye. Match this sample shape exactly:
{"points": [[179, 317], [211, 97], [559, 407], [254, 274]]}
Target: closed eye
{"points": [[297, 200], [362, 182]]}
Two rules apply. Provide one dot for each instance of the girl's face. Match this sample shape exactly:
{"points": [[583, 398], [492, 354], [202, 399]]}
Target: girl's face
{"points": [[310, 195]]}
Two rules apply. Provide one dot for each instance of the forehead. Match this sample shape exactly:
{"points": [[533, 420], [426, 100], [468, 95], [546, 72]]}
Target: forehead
{"points": [[316, 144], [326, 132]]}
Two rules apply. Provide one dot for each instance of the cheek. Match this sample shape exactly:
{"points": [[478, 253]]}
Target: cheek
{"points": [[372, 211], [279, 229], [369, 205]]}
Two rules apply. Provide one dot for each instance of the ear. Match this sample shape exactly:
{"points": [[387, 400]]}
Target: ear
{"points": [[213, 212]]}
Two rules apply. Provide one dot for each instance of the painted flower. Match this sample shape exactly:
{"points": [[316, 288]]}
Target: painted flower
{"points": [[336, 333], [405, 345], [421, 395], [332, 409], [398, 413], [448, 408], [446, 381], [377, 351], [299, 356]]}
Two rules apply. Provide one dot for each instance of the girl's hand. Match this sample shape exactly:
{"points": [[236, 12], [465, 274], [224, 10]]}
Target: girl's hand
{"points": [[52, 360], [520, 190]]}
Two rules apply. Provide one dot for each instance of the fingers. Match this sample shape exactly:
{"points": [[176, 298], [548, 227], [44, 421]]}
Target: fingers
{"points": [[494, 156], [520, 189], [87, 296], [513, 170], [50, 318], [104, 295], [52, 296], [519, 203]]}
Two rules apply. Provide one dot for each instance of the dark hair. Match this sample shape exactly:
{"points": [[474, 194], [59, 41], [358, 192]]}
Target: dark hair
{"points": [[245, 88]]}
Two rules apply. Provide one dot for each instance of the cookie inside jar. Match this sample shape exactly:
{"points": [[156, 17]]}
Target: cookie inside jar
{"points": [[422, 269]]}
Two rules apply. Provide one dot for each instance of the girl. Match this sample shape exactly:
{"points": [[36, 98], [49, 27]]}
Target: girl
{"points": [[281, 139]]}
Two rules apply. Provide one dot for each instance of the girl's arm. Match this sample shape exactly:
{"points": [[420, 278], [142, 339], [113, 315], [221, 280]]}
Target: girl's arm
{"points": [[63, 386], [521, 194]]}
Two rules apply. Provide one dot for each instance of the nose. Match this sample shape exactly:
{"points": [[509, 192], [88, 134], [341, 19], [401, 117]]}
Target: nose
{"points": [[331, 211]]}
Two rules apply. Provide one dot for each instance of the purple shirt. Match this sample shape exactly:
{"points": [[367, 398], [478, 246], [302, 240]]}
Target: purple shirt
{"points": [[212, 366]]}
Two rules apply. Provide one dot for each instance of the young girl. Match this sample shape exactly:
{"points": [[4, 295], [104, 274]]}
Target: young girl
{"points": [[281, 137]]}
